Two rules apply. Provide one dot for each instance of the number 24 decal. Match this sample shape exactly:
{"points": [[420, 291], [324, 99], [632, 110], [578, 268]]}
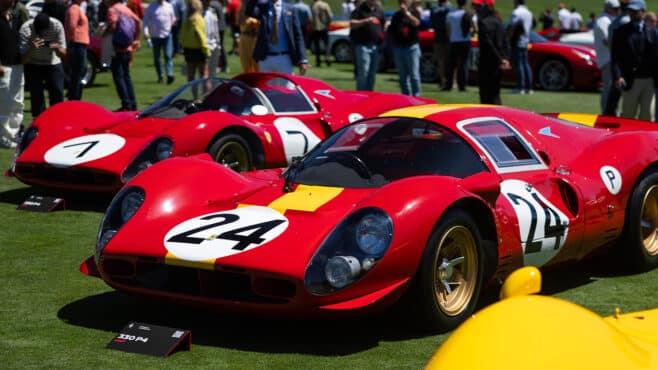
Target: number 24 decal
{"points": [[238, 235], [553, 224]]}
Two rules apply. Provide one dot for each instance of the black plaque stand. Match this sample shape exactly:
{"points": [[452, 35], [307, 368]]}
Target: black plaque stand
{"points": [[37, 203], [151, 340]]}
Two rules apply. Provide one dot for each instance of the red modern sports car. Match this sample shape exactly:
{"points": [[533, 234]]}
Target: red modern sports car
{"points": [[255, 120], [429, 201]]}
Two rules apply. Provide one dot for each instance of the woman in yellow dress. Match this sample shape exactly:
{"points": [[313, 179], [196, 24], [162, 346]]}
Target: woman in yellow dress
{"points": [[248, 35]]}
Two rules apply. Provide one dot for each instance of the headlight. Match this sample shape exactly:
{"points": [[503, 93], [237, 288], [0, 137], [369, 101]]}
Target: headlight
{"points": [[156, 151], [584, 56], [26, 138], [352, 249], [124, 205]]}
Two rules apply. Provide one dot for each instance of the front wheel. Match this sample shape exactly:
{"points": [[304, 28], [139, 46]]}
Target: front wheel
{"points": [[641, 228], [451, 272], [342, 51], [554, 75], [233, 152]]}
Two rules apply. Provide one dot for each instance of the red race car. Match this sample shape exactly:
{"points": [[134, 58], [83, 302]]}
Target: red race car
{"points": [[255, 120], [430, 201]]}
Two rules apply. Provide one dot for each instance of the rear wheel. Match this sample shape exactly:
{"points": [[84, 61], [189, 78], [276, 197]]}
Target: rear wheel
{"points": [[233, 152], [342, 51], [641, 228], [451, 272], [554, 75]]}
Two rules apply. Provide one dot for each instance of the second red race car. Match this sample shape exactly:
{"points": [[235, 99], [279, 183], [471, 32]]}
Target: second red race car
{"points": [[255, 120], [430, 202]]}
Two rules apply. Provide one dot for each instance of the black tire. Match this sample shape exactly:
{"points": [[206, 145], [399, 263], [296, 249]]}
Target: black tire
{"points": [[233, 152], [428, 68], [342, 51], [554, 75], [90, 70], [455, 236], [640, 238]]}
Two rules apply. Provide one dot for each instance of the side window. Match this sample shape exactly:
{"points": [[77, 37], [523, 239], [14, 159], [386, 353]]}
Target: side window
{"points": [[505, 147]]}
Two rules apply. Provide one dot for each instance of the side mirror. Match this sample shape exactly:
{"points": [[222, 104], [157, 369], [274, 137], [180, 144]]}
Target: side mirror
{"points": [[524, 281]]}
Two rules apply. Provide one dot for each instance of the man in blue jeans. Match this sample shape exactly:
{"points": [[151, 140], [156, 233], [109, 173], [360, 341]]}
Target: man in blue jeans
{"points": [[159, 19], [367, 35], [406, 49], [522, 21]]}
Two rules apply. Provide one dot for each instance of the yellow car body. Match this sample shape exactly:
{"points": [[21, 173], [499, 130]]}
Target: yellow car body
{"points": [[525, 331]]}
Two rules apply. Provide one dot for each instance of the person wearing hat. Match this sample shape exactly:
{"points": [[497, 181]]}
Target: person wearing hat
{"points": [[494, 52], [633, 62], [42, 45], [601, 45]]}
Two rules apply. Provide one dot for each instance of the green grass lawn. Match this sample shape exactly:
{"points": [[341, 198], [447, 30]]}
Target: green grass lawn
{"points": [[53, 316]]}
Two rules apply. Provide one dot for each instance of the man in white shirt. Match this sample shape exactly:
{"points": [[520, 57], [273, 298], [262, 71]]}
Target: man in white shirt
{"points": [[159, 19], [576, 20], [602, 47], [522, 21], [564, 16], [211, 20]]}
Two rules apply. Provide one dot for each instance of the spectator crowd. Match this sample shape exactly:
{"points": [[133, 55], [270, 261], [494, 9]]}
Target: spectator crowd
{"points": [[40, 54]]}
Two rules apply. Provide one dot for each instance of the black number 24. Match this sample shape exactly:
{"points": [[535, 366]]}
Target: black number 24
{"points": [[243, 240], [556, 231]]}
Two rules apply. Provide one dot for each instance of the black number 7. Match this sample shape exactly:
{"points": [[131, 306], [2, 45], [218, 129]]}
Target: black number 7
{"points": [[90, 144]]}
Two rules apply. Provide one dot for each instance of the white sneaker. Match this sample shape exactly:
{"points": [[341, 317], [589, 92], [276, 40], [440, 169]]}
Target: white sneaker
{"points": [[7, 143], [517, 91], [529, 92]]}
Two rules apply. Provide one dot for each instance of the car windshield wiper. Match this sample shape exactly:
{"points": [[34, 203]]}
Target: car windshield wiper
{"points": [[290, 174]]}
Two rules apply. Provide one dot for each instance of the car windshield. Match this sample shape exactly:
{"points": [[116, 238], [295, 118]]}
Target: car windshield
{"points": [[180, 98], [374, 152]]}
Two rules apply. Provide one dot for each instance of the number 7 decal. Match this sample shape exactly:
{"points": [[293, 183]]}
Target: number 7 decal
{"points": [[84, 149], [296, 138]]}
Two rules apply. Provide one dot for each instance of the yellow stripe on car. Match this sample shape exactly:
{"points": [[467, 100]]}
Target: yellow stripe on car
{"points": [[422, 111], [582, 118], [305, 198], [171, 259]]}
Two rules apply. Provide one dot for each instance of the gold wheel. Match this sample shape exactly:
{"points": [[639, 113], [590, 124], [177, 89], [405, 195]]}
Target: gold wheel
{"points": [[649, 221], [455, 270], [233, 155]]}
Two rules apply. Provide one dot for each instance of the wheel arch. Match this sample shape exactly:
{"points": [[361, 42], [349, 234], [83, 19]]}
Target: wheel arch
{"points": [[251, 138], [486, 223]]}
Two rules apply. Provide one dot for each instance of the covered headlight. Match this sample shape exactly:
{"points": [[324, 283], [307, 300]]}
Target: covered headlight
{"points": [[124, 205], [26, 138], [352, 249], [156, 151], [584, 56]]}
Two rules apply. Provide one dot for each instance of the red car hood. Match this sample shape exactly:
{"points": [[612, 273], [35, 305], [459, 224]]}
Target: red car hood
{"points": [[171, 211]]}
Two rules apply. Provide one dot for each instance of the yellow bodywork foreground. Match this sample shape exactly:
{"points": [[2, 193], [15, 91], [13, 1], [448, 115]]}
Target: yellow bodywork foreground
{"points": [[537, 332]]}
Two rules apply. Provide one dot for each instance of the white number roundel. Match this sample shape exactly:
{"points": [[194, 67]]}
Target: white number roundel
{"points": [[83, 149], [222, 234]]}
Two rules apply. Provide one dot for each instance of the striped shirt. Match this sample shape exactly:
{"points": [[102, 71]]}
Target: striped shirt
{"points": [[45, 55]]}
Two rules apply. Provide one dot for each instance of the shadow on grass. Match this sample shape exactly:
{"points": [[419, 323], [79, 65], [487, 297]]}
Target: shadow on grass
{"points": [[74, 201], [336, 337]]}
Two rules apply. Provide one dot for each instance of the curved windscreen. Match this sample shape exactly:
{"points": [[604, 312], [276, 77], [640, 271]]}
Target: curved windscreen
{"points": [[375, 152], [175, 103]]}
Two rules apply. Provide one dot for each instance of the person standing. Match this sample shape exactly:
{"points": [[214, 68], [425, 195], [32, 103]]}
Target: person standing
{"points": [[367, 34], [522, 21], [321, 18], [280, 43], [614, 96], [564, 17], [441, 44], [547, 19], [218, 6], [601, 45], [493, 52], [249, 27], [233, 10], [304, 13], [347, 8], [77, 38], [11, 75], [211, 21], [633, 62], [180, 11], [118, 17], [403, 31], [159, 20], [576, 20], [195, 42], [460, 24], [43, 46]]}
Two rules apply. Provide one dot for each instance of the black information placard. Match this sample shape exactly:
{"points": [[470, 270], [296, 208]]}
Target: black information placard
{"points": [[151, 340], [38, 203]]}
